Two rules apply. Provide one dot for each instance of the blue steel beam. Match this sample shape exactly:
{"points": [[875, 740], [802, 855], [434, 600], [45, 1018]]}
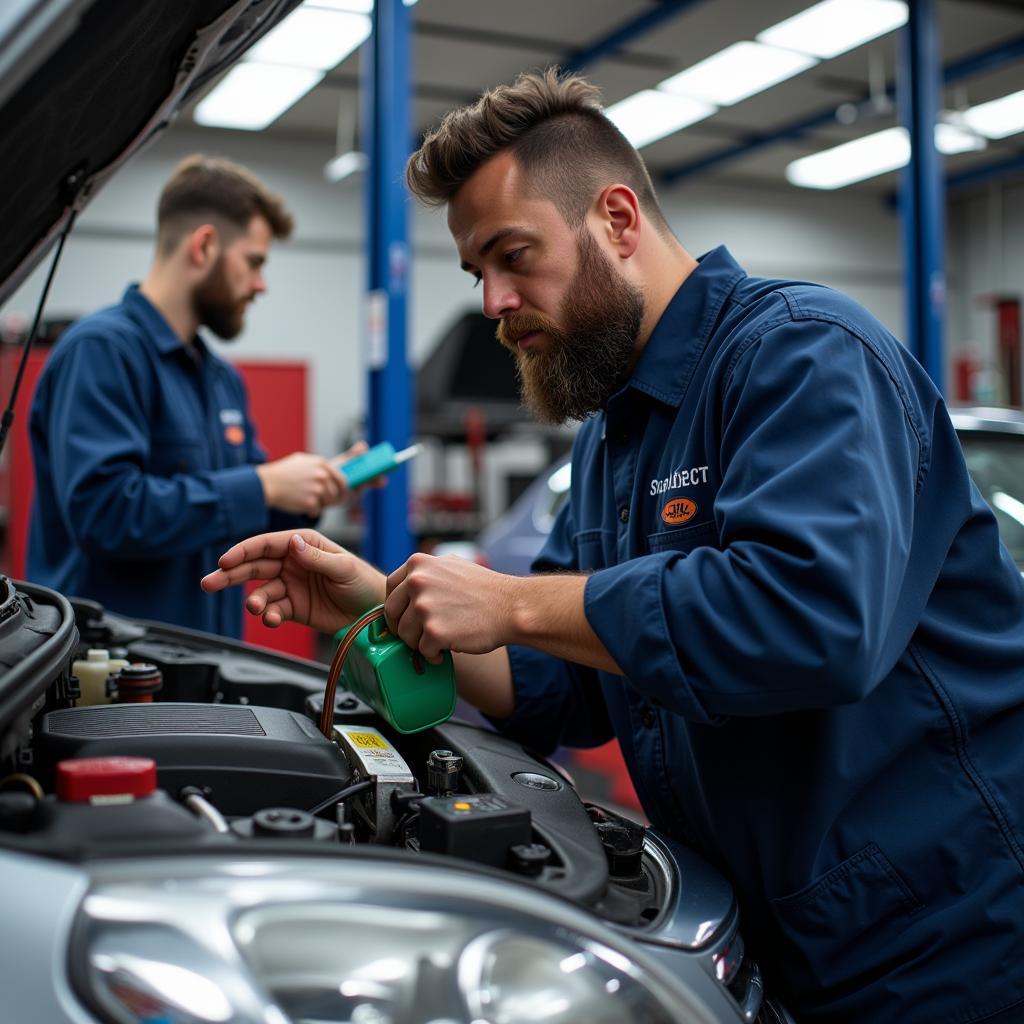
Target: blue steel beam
{"points": [[385, 92], [986, 60], [922, 192], [625, 33], [986, 172]]}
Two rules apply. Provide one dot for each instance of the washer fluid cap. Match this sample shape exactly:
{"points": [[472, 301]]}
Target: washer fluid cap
{"points": [[99, 778]]}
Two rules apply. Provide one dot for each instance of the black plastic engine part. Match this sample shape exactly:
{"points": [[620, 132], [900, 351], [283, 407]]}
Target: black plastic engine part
{"points": [[247, 758], [480, 827], [348, 709], [529, 859], [443, 770], [16, 811], [578, 869], [97, 629], [623, 843], [283, 823], [155, 818]]}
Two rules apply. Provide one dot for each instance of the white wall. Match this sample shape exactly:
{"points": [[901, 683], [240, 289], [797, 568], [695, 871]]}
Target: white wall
{"points": [[313, 309]]}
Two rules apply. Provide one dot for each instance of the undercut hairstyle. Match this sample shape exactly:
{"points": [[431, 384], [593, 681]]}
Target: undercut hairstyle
{"points": [[555, 128], [213, 190]]}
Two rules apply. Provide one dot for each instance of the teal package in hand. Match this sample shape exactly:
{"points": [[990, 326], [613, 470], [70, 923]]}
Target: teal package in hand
{"points": [[381, 458]]}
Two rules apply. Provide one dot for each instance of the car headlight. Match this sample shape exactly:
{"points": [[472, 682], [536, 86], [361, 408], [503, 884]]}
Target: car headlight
{"points": [[354, 942]]}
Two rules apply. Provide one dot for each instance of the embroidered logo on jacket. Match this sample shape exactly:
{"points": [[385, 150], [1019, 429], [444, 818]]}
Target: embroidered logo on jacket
{"points": [[234, 435], [680, 478], [678, 510]]}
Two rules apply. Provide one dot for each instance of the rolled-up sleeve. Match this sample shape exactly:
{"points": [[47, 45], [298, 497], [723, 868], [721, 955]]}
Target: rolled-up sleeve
{"points": [[792, 605], [558, 703]]}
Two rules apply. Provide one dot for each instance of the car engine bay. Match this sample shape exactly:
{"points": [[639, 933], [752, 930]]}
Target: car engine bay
{"points": [[240, 765]]}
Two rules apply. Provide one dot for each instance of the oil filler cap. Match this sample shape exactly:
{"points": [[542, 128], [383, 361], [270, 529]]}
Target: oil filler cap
{"points": [[105, 779]]}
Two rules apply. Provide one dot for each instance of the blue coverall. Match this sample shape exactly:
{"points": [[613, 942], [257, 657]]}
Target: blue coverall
{"points": [[144, 461], [823, 646]]}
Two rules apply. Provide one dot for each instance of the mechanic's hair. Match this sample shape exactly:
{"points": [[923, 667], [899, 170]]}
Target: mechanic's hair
{"points": [[554, 127], [211, 189]]}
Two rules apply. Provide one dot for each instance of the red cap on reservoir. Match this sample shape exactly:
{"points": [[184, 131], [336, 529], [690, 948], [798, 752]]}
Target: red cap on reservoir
{"points": [[85, 778]]}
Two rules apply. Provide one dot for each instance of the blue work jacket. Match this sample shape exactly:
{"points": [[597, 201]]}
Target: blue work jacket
{"points": [[823, 646], [144, 461]]}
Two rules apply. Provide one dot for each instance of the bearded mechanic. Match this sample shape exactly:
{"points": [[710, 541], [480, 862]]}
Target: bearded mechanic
{"points": [[773, 581], [145, 457]]}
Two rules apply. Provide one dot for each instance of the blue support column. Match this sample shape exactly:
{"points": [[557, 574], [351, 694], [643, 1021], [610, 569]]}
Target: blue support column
{"points": [[386, 132], [922, 190]]}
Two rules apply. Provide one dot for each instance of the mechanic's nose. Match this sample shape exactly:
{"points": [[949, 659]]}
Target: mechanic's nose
{"points": [[499, 299]]}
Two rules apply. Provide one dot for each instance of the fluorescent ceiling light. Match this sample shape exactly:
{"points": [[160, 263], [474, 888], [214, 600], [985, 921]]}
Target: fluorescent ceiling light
{"points": [[356, 6], [835, 26], [870, 156], [359, 6], [997, 118], [251, 96], [312, 37], [342, 166], [737, 72], [852, 161], [649, 115], [951, 138]]}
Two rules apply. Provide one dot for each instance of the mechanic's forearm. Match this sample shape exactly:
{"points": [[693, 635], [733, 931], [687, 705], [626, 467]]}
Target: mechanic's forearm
{"points": [[485, 681], [548, 615]]}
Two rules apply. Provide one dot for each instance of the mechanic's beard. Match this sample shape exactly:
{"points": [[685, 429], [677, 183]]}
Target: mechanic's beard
{"points": [[586, 362], [216, 307]]}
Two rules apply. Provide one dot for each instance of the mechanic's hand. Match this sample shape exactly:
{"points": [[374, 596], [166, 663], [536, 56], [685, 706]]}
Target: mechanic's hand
{"points": [[302, 483], [306, 578], [448, 603]]}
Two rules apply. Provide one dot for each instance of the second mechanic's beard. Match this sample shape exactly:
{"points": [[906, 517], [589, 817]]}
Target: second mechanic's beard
{"points": [[586, 360], [217, 307]]}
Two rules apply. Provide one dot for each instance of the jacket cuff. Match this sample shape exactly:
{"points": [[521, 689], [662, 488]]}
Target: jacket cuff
{"points": [[642, 644], [243, 504]]}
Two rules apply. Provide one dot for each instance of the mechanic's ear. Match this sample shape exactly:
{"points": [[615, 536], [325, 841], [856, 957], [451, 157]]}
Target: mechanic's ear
{"points": [[203, 246], [618, 212]]}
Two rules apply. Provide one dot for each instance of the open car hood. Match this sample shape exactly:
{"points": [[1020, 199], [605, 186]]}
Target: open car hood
{"points": [[85, 83]]}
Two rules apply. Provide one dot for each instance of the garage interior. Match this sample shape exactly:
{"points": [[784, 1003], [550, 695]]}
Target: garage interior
{"points": [[722, 178]]}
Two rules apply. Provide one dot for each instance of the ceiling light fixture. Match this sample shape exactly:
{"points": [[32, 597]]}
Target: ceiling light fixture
{"points": [[650, 115], [344, 165], [251, 95], [998, 118], [738, 71], [835, 26], [311, 37], [871, 155]]}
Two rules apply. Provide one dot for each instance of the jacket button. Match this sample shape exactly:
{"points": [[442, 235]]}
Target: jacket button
{"points": [[624, 514], [648, 718]]}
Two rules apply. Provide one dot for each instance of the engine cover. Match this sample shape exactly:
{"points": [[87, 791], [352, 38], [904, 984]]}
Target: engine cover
{"points": [[246, 758]]}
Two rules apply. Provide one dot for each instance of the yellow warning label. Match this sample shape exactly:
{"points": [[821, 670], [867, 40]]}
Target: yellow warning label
{"points": [[367, 739]]}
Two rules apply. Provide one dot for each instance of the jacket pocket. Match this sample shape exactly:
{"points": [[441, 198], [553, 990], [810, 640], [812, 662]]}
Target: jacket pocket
{"points": [[684, 539], [838, 923], [589, 546]]}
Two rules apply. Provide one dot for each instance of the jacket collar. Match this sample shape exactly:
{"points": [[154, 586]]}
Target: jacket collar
{"points": [[678, 339], [158, 330]]}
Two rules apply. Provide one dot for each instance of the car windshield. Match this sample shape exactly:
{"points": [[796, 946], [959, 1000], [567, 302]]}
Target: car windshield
{"points": [[996, 462]]}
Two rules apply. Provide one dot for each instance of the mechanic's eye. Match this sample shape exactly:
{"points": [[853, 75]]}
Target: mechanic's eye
{"points": [[512, 256], [477, 278]]}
